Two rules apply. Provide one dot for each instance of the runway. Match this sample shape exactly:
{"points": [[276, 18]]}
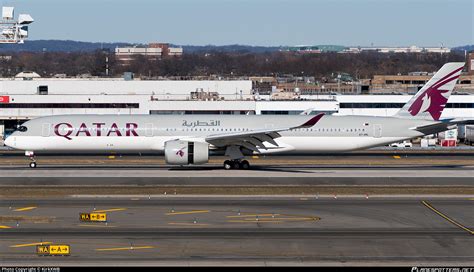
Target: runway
{"points": [[341, 174], [259, 231], [372, 168], [259, 175]]}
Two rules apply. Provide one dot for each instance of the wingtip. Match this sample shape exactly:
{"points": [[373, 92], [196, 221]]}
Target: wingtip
{"points": [[311, 122]]}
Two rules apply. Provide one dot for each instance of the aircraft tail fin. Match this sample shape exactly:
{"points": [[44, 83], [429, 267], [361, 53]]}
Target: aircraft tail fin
{"points": [[431, 100]]}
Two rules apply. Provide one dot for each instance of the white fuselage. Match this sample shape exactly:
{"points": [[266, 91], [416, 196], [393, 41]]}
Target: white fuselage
{"points": [[111, 133]]}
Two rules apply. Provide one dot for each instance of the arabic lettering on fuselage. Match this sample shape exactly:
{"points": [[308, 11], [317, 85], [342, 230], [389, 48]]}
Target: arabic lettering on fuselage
{"points": [[211, 123]]}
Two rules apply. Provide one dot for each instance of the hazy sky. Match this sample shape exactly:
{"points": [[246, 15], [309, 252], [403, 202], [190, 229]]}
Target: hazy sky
{"points": [[254, 22]]}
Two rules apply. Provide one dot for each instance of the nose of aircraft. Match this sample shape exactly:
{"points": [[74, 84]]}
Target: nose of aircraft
{"points": [[9, 141]]}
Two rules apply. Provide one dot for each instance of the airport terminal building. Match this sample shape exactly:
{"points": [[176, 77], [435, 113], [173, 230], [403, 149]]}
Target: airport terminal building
{"points": [[21, 100]]}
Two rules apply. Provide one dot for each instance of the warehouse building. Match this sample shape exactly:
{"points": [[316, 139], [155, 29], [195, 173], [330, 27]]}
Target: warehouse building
{"points": [[409, 49], [153, 51]]}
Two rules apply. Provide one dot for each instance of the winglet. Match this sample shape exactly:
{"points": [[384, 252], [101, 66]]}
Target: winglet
{"points": [[311, 122]]}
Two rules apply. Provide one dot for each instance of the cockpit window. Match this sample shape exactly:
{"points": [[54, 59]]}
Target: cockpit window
{"points": [[22, 129]]}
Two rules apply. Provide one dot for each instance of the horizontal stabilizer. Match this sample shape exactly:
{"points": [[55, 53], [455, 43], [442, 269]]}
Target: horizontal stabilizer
{"points": [[444, 125]]}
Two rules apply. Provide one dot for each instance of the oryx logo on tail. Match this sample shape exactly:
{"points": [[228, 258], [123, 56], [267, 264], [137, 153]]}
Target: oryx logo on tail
{"points": [[434, 99], [431, 100]]}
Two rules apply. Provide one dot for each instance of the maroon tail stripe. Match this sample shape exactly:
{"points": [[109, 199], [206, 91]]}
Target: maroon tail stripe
{"points": [[444, 82], [448, 75]]}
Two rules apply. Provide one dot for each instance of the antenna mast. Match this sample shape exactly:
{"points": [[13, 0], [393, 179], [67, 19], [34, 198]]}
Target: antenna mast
{"points": [[14, 31]]}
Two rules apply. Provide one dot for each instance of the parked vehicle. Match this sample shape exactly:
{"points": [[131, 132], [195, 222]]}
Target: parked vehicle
{"points": [[402, 144], [427, 142]]}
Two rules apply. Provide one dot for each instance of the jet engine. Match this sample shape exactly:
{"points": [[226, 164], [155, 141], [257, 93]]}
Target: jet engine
{"points": [[179, 152]]}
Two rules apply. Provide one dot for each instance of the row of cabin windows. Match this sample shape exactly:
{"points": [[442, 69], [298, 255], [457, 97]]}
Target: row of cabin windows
{"points": [[419, 82], [397, 105], [69, 106], [246, 129]]}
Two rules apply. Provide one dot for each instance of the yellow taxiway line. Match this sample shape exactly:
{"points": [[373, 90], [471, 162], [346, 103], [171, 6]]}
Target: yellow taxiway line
{"points": [[124, 248], [110, 210], [283, 219], [188, 212], [32, 244], [254, 221], [428, 205], [97, 226], [252, 215], [25, 209], [187, 224], [272, 220]]}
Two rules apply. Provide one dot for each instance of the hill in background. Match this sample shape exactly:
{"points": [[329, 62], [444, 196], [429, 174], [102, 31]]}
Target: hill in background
{"points": [[75, 46], [468, 48]]}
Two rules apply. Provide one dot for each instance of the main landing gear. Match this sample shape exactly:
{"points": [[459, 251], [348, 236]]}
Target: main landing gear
{"points": [[236, 164]]}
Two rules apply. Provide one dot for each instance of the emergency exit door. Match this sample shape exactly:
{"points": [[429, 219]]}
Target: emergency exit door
{"points": [[46, 130], [149, 130], [377, 131]]}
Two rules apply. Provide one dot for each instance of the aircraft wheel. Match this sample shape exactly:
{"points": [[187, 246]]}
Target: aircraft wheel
{"points": [[227, 165], [245, 165], [32, 164], [235, 165]]}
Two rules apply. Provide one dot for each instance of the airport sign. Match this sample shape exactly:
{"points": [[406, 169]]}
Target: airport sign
{"points": [[93, 217], [53, 250]]}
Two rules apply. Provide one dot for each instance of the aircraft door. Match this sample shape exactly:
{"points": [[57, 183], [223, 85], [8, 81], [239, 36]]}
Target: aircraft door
{"points": [[377, 131], [269, 126], [149, 130], [46, 130]]}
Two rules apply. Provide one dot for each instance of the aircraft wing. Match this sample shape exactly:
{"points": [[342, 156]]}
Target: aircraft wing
{"points": [[254, 139], [444, 125]]}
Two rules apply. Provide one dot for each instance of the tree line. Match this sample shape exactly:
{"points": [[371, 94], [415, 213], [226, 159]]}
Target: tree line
{"points": [[236, 64]]}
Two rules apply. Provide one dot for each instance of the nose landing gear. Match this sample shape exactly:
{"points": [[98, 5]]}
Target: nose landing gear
{"points": [[31, 155], [236, 164]]}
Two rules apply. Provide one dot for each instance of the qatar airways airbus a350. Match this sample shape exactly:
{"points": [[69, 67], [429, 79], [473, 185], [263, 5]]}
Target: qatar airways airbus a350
{"points": [[189, 139]]}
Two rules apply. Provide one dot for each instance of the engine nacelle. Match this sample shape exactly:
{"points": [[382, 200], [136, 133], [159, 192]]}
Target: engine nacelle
{"points": [[179, 152]]}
